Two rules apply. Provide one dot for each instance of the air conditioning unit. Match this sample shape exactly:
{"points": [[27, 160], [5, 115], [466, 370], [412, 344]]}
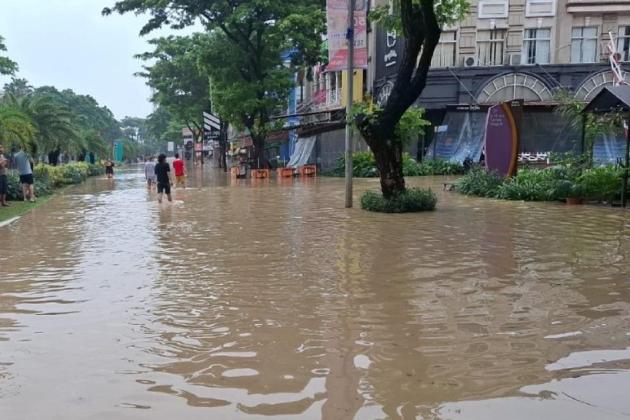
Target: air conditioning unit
{"points": [[469, 60], [514, 60]]}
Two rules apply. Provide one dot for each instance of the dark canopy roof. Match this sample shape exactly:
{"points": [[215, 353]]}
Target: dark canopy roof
{"points": [[610, 99]]}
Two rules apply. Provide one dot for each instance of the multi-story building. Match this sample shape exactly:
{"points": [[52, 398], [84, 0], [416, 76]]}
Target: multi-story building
{"points": [[512, 49], [502, 50]]}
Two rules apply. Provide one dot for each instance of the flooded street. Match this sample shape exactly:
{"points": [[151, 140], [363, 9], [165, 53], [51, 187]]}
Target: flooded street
{"points": [[246, 300]]}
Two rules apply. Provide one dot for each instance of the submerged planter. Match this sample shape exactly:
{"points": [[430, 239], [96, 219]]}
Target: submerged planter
{"points": [[260, 173], [308, 170], [285, 172]]}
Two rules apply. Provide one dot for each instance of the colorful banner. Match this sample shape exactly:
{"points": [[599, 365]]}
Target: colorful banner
{"points": [[337, 14]]}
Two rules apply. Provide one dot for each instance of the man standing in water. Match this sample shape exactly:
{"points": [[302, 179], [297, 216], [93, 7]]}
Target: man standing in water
{"points": [[23, 163], [162, 171], [149, 172], [180, 175], [4, 182]]}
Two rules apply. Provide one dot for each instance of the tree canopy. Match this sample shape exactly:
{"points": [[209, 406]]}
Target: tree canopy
{"points": [[175, 77], [243, 49], [7, 66]]}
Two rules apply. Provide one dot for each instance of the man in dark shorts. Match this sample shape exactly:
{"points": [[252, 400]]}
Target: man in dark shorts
{"points": [[162, 172], [4, 182], [109, 169], [23, 163]]}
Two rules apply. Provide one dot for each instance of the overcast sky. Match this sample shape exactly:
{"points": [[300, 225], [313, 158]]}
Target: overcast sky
{"points": [[68, 44]]}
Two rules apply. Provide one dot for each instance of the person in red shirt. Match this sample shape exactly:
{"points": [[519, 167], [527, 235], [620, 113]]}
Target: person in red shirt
{"points": [[180, 175]]}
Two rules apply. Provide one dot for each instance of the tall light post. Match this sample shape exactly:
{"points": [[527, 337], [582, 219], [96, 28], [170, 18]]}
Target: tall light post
{"points": [[349, 101]]}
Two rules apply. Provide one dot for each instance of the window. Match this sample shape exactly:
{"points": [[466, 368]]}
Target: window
{"points": [[623, 43], [584, 44], [446, 50], [537, 8], [492, 9], [536, 46], [490, 47]]}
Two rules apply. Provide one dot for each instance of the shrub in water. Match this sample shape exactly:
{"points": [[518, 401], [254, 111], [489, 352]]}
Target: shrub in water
{"points": [[479, 182], [364, 166], [412, 200], [602, 184]]}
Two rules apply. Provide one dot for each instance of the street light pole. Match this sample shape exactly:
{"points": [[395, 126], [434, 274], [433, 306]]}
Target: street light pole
{"points": [[349, 101]]}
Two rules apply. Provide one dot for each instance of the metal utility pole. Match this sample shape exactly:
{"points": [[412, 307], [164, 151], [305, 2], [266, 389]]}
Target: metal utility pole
{"points": [[349, 102]]}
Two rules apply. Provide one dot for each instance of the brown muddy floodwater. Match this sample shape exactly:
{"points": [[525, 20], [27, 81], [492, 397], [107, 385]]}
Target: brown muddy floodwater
{"points": [[263, 300]]}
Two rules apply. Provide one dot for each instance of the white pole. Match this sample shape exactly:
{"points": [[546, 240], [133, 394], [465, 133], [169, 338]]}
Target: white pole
{"points": [[349, 102]]}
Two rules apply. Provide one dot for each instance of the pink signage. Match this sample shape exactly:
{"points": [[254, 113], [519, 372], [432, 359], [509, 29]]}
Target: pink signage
{"points": [[337, 17]]}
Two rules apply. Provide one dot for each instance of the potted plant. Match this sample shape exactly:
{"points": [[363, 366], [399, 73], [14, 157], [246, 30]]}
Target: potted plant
{"points": [[575, 194]]}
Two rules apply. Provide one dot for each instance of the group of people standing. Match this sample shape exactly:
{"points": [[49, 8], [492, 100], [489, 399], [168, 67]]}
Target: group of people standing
{"points": [[24, 165], [159, 175]]}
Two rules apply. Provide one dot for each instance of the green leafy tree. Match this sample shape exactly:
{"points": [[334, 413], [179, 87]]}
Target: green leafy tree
{"points": [[420, 22], [134, 128], [55, 131], [95, 123], [249, 37], [7, 66], [18, 87], [175, 77], [16, 128]]}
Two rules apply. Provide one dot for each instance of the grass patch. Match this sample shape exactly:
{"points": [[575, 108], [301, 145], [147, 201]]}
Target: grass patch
{"points": [[411, 201], [19, 208]]}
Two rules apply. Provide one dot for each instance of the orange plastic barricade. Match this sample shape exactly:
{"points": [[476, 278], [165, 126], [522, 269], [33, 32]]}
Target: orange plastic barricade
{"points": [[285, 172], [260, 173], [308, 170], [234, 171]]}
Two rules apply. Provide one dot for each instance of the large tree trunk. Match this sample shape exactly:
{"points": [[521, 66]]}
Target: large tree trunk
{"points": [[53, 157], [388, 157], [422, 33]]}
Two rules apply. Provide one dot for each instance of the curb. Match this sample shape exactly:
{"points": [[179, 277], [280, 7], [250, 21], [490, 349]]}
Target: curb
{"points": [[8, 222]]}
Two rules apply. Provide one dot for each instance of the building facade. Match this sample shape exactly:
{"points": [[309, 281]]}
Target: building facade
{"points": [[511, 49], [502, 50]]}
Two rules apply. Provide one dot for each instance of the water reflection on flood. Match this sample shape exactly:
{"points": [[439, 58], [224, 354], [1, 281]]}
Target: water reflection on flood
{"points": [[262, 299]]}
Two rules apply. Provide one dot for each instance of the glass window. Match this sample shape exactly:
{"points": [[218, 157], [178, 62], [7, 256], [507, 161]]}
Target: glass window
{"points": [[584, 44], [537, 46], [446, 50], [623, 43], [490, 47]]}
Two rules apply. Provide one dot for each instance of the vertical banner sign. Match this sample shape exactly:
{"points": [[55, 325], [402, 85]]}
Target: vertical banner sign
{"points": [[501, 140], [337, 17]]}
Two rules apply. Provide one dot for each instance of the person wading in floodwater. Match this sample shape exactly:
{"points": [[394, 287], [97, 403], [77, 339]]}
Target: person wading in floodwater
{"points": [[162, 171], [109, 169], [149, 172], [180, 175]]}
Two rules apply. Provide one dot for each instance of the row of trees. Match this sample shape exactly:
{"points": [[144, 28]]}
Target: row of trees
{"points": [[47, 121], [241, 67]]}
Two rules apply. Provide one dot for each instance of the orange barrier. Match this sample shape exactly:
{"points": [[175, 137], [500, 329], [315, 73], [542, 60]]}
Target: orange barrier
{"points": [[260, 173], [234, 171], [308, 170], [285, 172]]}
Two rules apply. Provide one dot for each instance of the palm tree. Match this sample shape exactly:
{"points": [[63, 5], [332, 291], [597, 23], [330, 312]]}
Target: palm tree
{"points": [[16, 127], [56, 131]]}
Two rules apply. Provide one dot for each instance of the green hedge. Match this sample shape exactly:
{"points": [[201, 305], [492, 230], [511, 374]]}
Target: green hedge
{"points": [[413, 200], [549, 184], [47, 178], [364, 166]]}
